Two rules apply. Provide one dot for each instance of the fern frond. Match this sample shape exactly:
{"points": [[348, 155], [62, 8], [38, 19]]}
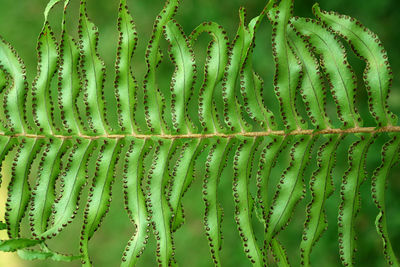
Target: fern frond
{"points": [[242, 166], [367, 46], [215, 163], [181, 54], [153, 98], [69, 83], [51, 146], [290, 189], [73, 178], [135, 199], [19, 191], [125, 83], [14, 100], [216, 60], [93, 72], [389, 158], [334, 63], [99, 197], [287, 67], [157, 204], [43, 193], [321, 187], [182, 178], [350, 197]]}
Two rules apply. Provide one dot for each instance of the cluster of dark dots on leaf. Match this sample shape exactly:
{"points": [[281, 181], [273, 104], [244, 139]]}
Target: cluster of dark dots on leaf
{"points": [[149, 203], [322, 161], [6, 102], [93, 38], [307, 99], [211, 242], [344, 202], [278, 90], [238, 204], [151, 60], [191, 70], [378, 180], [14, 177], [85, 226], [62, 102], [62, 185], [126, 45], [282, 181], [262, 177], [221, 40], [34, 193], [43, 93], [129, 211], [369, 59], [9, 84]]}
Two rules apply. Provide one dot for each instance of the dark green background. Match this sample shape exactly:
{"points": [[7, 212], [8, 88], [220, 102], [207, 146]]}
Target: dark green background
{"points": [[20, 23]]}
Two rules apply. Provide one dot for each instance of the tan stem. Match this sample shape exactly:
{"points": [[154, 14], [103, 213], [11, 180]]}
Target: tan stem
{"points": [[385, 129]]}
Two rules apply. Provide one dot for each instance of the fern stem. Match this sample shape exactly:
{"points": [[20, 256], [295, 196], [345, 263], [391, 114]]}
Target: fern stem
{"points": [[373, 130]]}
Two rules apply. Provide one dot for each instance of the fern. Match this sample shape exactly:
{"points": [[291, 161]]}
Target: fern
{"points": [[71, 141]]}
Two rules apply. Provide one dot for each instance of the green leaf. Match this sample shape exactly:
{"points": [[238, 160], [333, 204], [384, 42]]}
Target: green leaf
{"points": [[182, 177], [287, 67], [279, 253], [17, 243], [43, 194], [215, 163], [157, 204], [69, 83], [242, 165], [216, 60], [99, 198], [135, 199], [73, 179], [182, 83], [268, 157], [125, 83], [152, 95], [321, 187], [6, 145], [350, 197], [15, 98], [338, 71], [290, 189], [312, 88], [42, 103], [237, 49], [390, 156], [251, 84], [367, 46], [93, 71], [30, 255], [19, 191]]}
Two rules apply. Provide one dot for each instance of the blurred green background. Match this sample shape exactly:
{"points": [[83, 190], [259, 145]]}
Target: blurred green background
{"points": [[20, 23]]}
